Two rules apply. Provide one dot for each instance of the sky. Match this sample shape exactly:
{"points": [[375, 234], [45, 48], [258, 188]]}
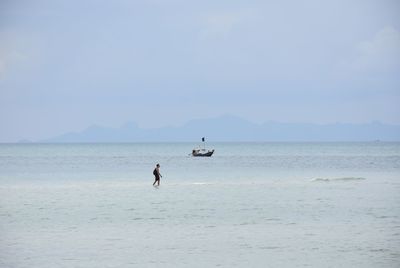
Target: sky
{"points": [[69, 64]]}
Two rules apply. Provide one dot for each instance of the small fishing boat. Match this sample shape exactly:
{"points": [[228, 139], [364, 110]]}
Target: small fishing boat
{"points": [[202, 151]]}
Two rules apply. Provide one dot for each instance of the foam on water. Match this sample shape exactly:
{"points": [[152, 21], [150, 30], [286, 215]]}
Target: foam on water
{"points": [[339, 179]]}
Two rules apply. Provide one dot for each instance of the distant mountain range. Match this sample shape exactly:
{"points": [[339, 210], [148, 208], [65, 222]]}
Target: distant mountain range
{"points": [[231, 128]]}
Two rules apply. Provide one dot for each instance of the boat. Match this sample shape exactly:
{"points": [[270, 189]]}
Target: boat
{"points": [[202, 151]]}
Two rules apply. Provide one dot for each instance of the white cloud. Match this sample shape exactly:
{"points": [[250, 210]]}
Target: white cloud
{"points": [[2, 66], [221, 24], [9, 54], [21, 54], [381, 53]]}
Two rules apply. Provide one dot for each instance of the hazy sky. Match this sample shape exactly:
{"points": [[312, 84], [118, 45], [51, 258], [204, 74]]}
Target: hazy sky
{"points": [[65, 65]]}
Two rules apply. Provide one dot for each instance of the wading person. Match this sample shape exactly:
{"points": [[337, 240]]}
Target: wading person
{"points": [[157, 175]]}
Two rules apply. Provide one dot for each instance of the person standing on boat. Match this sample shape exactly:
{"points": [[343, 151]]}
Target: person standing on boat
{"points": [[157, 175]]}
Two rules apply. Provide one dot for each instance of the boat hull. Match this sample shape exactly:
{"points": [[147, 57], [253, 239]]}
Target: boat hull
{"points": [[200, 154]]}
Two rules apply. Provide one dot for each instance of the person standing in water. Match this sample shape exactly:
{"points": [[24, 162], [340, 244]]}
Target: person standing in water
{"points": [[157, 175]]}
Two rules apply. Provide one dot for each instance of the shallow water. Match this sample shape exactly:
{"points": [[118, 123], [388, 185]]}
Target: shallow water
{"points": [[250, 205]]}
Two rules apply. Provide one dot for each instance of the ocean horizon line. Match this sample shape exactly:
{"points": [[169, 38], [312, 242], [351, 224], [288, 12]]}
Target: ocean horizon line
{"points": [[197, 142]]}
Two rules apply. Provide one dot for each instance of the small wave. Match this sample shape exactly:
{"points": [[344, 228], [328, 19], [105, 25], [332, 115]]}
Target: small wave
{"points": [[202, 183], [320, 179], [339, 179], [269, 247]]}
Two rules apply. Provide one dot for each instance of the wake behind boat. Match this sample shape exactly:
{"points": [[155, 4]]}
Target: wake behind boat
{"points": [[203, 151]]}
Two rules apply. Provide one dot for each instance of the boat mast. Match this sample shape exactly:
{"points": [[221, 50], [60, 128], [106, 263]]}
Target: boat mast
{"points": [[204, 144]]}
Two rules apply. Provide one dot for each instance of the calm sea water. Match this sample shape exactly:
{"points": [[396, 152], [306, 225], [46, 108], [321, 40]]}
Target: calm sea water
{"points": [[249, 205]]}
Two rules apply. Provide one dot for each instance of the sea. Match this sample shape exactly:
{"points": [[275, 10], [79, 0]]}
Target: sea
{"points": [[249, 205]]}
